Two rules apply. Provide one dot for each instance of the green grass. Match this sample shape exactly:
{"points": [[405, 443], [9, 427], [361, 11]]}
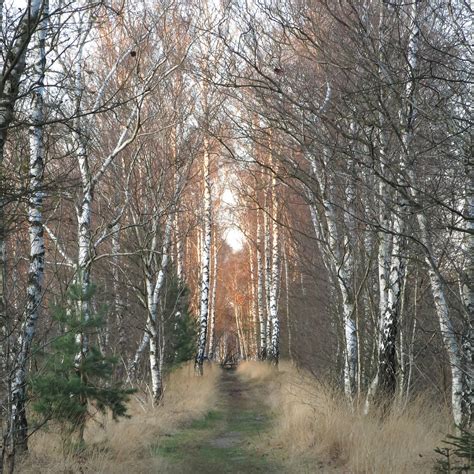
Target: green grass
{"points": [[208, 422], [222, 441]]}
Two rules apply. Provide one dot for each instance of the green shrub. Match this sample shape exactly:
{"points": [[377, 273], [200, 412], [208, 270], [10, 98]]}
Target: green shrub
{"points": [[457, 456], [71, 388]]}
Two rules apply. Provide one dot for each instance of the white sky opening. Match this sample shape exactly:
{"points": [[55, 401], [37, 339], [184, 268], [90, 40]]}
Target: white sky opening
{"points": [[234, 237]]}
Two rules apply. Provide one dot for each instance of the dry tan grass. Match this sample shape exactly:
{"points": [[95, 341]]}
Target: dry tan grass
{"points": [[314, 429], [257, 371], [315, 422], [126, 446]]}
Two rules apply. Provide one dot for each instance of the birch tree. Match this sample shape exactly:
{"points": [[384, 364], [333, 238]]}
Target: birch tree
{"points": [[274, 351], [18, 423], [261, 308], [205, 260], [153, 236], [207, 54]]}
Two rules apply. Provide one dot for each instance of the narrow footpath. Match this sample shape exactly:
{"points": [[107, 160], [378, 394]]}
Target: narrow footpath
{"points": [[229, 438]]}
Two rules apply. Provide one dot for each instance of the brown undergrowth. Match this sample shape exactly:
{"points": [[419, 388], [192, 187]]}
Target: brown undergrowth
{"points": [[315, 423], [129, 445]]}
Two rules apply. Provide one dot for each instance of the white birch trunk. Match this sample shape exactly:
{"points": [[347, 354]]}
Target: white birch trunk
{"points": [[154, 291], [387, 368], [12, 69], [411, 361], [19, 425], [267, 249], [253, 305], [179, 250], [212, 328], [287, 301], [154, 350], [437, 284], [436, 281], [383, 265], [118, 302], [392, 268], [347, 269], [81, 132], [84, 208], [154, 323], [240, 333], [205, 263], [341, 268], [467, 295], [260, 300], [396, 275], [402, 342], [144, 342], [274, 352], [447, 331]]}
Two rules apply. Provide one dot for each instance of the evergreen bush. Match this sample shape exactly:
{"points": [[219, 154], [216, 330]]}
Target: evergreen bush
{"points": [[457, 456], [71, 388]]}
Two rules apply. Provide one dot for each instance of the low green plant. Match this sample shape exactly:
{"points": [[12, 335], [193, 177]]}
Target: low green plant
{"points": [[457, 454], [180, 325], [74, 385]]}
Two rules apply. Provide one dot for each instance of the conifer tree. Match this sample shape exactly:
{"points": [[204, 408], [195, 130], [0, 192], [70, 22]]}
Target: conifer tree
{"points": [[71, 391], [180, 324]]}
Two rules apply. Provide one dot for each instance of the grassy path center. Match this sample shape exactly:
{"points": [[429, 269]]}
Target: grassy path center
{"points": [[224, 440]]}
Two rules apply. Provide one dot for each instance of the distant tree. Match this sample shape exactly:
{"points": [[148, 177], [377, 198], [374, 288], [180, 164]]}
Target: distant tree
{"points": [[180, 324]]}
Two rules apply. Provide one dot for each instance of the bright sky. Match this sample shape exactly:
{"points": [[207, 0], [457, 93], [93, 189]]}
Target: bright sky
{"points": [[232, 235], [234, 238]]}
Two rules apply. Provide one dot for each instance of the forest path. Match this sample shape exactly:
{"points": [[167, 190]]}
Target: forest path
{"points": [[227, 439]]}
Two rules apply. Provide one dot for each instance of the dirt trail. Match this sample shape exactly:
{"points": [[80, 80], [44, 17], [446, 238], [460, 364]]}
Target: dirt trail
{"points": [[226, 440]]}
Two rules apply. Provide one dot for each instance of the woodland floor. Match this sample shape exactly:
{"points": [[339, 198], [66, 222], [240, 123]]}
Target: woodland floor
{"points": [[230, 438]]}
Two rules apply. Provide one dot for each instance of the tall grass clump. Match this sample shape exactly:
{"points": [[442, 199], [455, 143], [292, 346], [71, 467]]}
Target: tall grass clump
{"points": [[252, 370], [315, 421]]}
